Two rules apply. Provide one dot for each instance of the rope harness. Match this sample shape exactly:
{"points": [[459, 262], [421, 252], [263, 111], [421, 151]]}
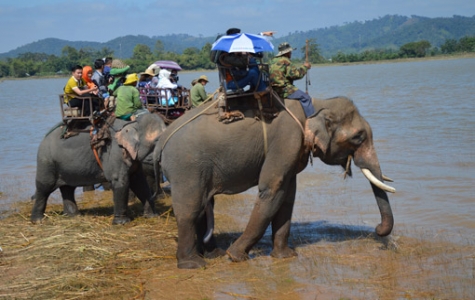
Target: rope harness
{"points": [[202, 112], [100, 137], [92, 134]]}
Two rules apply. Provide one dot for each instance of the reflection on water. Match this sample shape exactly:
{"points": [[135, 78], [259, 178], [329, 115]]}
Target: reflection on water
{"points": [[421, 114]]}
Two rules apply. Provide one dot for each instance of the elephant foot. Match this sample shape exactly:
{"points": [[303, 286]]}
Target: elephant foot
{"points": [[70, 208], [36, 219], [236, 256], [217, 252], [71, 213], [121, 220], [194, 262], [149, 211], [149, 215], [283, 253]]}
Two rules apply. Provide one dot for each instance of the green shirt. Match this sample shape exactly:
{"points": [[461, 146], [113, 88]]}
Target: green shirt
{"points": [[282, 75], [198, 94], [127, 100]]}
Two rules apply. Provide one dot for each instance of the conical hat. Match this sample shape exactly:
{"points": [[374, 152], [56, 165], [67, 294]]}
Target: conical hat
{"points": [[118, 64]]}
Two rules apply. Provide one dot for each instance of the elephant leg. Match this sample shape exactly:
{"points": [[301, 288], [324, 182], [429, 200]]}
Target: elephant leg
{"points": [[269, 201], [70, 207], [88, 188], [106, 186], [281, 224], [187, 209], [120, 190], [154, 183], [41, 198], [141, 189], [210, 248]]}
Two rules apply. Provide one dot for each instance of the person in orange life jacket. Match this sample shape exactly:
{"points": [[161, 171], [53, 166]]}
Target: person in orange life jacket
{"points": [[87, 77]]}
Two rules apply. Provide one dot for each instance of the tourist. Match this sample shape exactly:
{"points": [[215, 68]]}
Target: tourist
{"points": [[128, 99], [198, 94], [76, 87]]}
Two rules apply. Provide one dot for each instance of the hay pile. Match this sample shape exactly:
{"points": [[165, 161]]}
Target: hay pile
{"points": [[88, 258], [83, 257]]}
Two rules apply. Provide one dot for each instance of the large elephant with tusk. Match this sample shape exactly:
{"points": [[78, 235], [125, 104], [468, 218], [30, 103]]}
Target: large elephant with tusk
{"points": [[230, 158]]}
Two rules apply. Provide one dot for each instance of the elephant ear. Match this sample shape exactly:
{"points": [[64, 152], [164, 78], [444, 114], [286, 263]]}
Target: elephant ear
{"points": [[128, 139], [320, 124]]}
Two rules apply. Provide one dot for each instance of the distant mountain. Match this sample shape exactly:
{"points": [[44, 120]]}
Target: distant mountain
{"points": [[391, 31], [122, 46], [388, 32]]}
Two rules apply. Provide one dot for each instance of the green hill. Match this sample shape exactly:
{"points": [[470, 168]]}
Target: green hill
{"points": [[391, 31]]}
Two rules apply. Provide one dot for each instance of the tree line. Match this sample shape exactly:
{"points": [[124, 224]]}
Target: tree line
{"points": [[41, 64], [410, 50]]}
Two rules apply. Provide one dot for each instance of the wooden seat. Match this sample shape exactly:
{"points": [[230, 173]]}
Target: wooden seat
{"points": [[241, 99], [226, 75], [74, 113], [171, 103]]}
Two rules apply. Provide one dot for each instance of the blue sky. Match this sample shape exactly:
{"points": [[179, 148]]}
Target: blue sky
{"points": [[26, 21]]}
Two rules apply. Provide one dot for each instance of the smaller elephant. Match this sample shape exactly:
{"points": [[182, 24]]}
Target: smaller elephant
{"points": [[69, 163]]}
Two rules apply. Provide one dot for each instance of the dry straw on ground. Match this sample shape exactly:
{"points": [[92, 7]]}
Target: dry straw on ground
{"points": [[88, 258]]}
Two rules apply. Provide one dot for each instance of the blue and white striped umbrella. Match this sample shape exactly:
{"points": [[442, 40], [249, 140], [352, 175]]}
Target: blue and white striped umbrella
{"points": [[243, 42]]}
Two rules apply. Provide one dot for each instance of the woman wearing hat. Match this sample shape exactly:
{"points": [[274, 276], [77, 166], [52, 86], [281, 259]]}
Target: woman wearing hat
{"points": [[127, 98], [145, 83], [198, 94], [282, 75]]}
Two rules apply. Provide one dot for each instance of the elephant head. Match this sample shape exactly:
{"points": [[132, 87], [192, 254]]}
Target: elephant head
{"points": [[342, 135], [138, 138]]}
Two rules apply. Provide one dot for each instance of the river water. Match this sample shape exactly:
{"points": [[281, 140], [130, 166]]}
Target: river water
{"points": [[422, 116]]}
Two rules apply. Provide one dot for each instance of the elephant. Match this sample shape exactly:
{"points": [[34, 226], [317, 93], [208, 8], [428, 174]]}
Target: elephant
{"points": [[202, 157], [67, 163]]}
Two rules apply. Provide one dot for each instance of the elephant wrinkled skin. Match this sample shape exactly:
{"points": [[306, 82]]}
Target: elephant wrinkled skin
{"points": [[230, 158], [69, 163]]}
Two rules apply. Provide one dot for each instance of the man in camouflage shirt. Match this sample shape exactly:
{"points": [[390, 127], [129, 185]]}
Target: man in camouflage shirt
{"points": [[282, 75]]}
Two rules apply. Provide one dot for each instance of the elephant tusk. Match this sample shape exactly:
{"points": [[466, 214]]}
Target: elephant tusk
{"points": [[348, 167], [367, 173], [209, 223], [386, 178]]}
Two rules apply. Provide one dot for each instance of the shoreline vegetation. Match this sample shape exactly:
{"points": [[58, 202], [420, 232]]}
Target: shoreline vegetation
{"points": [[315, 65]]}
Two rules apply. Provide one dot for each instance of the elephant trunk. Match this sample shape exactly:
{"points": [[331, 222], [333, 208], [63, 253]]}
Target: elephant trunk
{"points": [[366, 159], [387, 219]]}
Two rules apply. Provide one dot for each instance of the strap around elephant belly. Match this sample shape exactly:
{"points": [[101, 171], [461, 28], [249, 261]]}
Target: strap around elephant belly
{"points": [[94, 150], [264, 128]]}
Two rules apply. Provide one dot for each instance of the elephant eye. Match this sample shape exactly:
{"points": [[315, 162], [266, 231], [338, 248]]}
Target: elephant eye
{"points": [[358, 138]]}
